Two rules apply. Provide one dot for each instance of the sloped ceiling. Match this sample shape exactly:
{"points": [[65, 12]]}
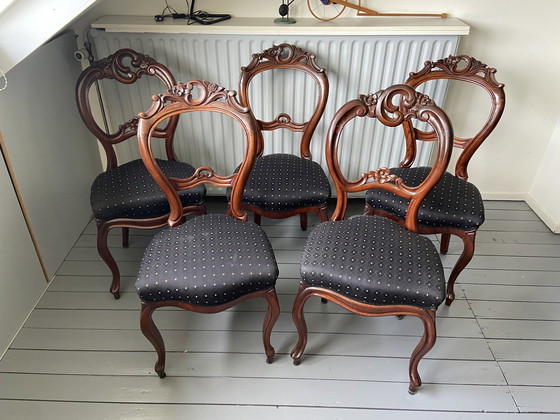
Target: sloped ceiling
{"points": [[27, 24]]}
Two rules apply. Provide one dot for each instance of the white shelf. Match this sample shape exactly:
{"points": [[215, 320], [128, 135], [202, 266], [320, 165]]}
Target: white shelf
{"points": [[304, 26]]}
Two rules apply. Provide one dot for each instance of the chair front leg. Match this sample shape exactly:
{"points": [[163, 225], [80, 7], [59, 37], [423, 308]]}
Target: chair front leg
{"points": [[464, 259], [299, 321], [426, 343], [270, 319], [103, 250], [152, 333]]}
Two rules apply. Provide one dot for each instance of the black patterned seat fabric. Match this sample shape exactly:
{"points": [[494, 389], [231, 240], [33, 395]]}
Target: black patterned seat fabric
{"points": [[282, 182], [452, 203], [208, 260], [129, 191], [374, 260]]}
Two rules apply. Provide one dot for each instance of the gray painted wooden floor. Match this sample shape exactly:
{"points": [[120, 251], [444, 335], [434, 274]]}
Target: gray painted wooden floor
{"points": [[81, 355]]}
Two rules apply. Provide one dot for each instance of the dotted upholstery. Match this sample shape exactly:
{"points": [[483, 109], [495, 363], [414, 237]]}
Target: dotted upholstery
{"points": [[129, 191], [373, 260], [208, 260], [452, 203], [282, 182]]}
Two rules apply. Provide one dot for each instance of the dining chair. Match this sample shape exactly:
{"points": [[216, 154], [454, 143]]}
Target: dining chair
{"points": [[454, 206], [125, 195], [282, 184], [371, 265], [214, 261]]}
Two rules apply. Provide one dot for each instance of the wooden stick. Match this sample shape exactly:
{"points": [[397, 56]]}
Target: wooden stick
{"points": [[364, 11]]}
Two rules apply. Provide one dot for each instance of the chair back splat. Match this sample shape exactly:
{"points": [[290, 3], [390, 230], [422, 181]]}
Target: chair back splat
{"points": [[372, 266], [284, 184], [208, 263], [125, 195]]}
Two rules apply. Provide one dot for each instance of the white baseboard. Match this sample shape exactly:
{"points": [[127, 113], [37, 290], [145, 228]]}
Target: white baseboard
{"points": [[546, 217], [504, 196]]}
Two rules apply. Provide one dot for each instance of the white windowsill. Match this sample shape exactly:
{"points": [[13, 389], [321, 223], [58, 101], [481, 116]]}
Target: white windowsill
{"points": [[304, 26]]}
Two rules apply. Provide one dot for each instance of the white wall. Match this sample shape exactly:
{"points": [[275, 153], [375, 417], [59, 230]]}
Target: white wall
{"points": [[517, 38], [53, 155], [543, 196]]}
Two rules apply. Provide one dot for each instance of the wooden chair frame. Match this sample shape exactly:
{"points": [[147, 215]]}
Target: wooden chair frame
{"points": [[288, 57], [179, 100], [116, 67], [466, 69], [381, 106]]}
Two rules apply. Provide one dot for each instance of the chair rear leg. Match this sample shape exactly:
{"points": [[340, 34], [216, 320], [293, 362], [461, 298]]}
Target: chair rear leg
{"points": [[303, 221], [125, 237], [103, 250], [270, 319], [444, 246], [426, 343], [257, 218], [152, 333], [464, 259]]}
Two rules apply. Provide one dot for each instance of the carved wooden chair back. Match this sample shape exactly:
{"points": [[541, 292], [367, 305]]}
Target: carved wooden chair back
{"points": [[414, 107], [124, 66], [179, 100], [466, 69], [287, 57]]}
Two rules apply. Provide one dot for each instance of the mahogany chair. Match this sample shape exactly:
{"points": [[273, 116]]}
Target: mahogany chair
{"points": [[454, 206], [371, 265], [210, 262], [125, 195], [282, 184]]}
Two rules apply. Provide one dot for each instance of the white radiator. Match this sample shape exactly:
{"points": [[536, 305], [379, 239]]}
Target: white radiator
{"points": [[354, 64]]}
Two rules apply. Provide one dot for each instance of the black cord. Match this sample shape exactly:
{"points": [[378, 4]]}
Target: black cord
{"points": [[169, 8]]}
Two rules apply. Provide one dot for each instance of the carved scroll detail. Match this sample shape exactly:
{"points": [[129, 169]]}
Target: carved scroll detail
{"points": [[461, 65], [283, 54], [383, 106], [282, 121], [114, 67], [183, 92], [381, 176]]}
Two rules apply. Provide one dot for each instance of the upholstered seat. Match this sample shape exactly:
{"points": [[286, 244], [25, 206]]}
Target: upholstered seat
{"points": [[128, 191], [209, 260], [281, 182], [375, 261], [453, 202]]}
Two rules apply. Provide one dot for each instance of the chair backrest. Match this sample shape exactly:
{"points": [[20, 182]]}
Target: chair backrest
{"points": [[466, 69], [290, 57], [124, 66], [383, 107], [211, 98]]}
